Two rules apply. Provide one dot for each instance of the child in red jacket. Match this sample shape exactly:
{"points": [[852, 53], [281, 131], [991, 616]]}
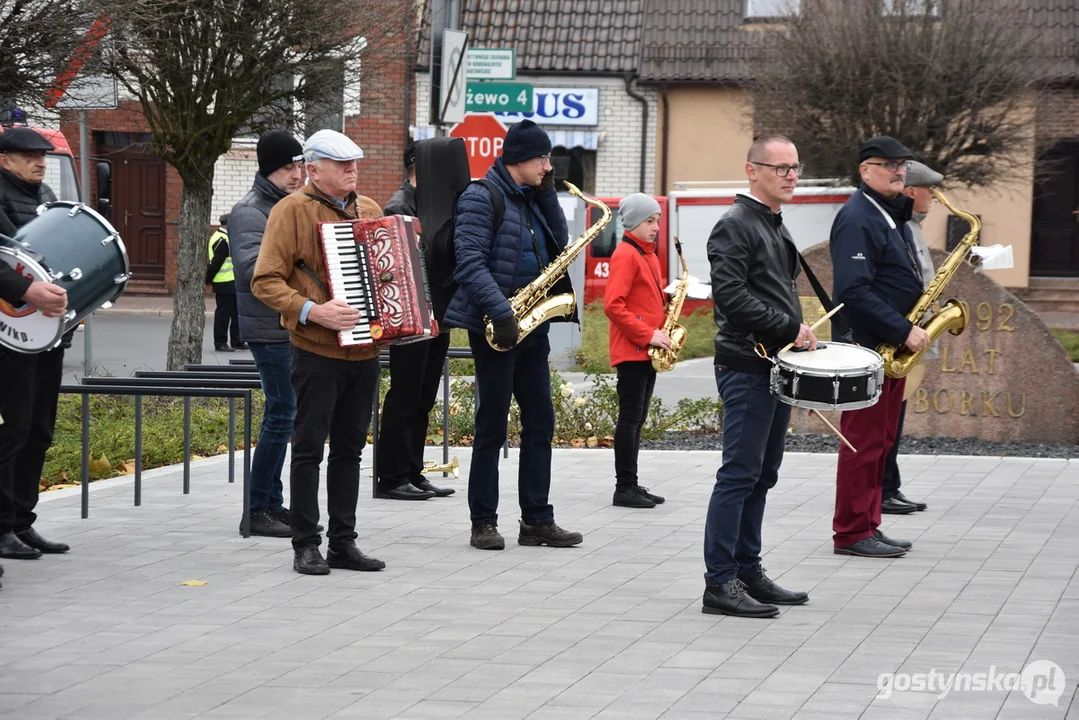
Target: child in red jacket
{"points": [[635, 303]]}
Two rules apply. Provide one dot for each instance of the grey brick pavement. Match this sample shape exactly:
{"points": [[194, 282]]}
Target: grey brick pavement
{"points": [[611, 629]]}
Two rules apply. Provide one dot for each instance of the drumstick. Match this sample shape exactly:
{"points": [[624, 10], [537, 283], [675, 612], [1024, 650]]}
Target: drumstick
{"points": [[816, 325], [830, 425]]}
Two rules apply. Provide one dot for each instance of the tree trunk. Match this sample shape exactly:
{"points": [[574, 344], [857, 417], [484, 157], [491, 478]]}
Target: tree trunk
{"points": [[189, 306]]}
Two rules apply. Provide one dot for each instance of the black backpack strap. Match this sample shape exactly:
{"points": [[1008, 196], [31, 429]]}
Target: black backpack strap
{"points": [[839, 327], [498, 203]]}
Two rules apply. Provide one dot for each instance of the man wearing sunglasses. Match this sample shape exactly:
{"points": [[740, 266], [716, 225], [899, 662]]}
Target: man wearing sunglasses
{"points": [[878, 278]]}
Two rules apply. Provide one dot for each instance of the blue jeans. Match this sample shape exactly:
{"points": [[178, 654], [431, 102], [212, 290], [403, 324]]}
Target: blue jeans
{"points": [[754, 434], [524, 373], [274, 363]]}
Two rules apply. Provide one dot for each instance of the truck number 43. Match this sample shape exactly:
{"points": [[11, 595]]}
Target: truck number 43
{"points": [[603, 269]]}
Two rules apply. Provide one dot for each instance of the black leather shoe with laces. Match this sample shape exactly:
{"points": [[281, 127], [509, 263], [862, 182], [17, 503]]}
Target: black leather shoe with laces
{"points": [[761, 588], [870, 547], [903, 498], [283, 516], [895, 506], [657, 499], [549, 534], [485, 536], [730, 598], [309, 561], [632, 496], [904, 544], [349, 557], [425, 485]]}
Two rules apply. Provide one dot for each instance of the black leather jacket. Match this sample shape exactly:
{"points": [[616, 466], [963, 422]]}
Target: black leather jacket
{"points": [[247, 223], [754, 264]]}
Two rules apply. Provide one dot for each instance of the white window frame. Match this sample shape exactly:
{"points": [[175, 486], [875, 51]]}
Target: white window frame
{"points": [[774, 9], [913, 8]]}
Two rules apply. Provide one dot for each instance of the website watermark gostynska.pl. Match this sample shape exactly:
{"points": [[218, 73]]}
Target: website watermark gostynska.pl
{"points": [[1041, 682]]}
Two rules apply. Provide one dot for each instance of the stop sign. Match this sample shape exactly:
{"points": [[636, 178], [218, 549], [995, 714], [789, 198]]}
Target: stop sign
{"points": [[483, 135]]}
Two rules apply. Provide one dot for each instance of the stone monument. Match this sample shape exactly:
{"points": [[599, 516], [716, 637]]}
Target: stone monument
{"points": [[1004, 378]]}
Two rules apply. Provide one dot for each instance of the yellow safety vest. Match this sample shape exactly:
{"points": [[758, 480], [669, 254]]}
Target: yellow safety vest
{"points": [[225, 274]]}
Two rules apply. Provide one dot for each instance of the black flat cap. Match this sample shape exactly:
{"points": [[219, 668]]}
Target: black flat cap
{"points": [[23, 140], [883, 146]]}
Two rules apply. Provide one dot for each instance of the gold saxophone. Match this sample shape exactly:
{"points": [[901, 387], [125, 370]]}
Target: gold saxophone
{"points": [[531, 305], [664, 360], [900, 360]]}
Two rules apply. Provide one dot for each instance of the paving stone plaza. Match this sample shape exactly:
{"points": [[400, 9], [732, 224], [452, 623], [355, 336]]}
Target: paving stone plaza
{"points": [[610, 629]]}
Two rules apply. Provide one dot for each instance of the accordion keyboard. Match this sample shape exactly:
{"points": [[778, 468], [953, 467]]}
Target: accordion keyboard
{"points": [[349, 277]]}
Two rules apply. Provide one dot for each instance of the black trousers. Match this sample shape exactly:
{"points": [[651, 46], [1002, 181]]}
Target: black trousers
{"points": [[333, 398], [29, 391], [415, 372], [226, 320], [636, 382], [891, 465]]}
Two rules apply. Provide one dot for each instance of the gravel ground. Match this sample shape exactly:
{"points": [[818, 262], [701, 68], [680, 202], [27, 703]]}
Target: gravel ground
{"points": [[907, 446]]}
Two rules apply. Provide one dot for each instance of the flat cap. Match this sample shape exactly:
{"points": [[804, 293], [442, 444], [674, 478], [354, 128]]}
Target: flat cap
{"points": [[331, 145], [920, 175], [883, 146], [24, 140]]}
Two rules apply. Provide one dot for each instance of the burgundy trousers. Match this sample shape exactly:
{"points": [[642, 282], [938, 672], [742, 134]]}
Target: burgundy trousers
{"points": [[860, 476]]}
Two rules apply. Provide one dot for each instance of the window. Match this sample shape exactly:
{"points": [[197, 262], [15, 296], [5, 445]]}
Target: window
{"points": [[757, 9], [576, 165], [911, 8], [326, 108], [60, 176], [607, 240]]}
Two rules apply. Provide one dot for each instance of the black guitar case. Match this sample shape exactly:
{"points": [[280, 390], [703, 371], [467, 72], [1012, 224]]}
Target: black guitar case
{"points": [[442, 174]]}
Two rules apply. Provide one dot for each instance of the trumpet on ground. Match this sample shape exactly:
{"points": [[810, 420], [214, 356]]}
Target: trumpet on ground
{"points": [[532, 306], [453, 467]]}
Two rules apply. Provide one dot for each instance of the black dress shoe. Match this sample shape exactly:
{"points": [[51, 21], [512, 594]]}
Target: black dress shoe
{"points": [[349, 557], [12, 548], [283, 516], [425, 485], [309, 562], [408, 491], [903, 498], [657, 499], [31, 537], [266, 524], [548, 534], [730, 598], [895, 506], [761, 588], [222, 348], [871, 547], [241, 346], [904, 544], [1, 573], [632, 496]]}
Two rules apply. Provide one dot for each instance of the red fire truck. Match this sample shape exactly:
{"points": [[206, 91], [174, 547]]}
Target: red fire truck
{"points": [[691, 211]]}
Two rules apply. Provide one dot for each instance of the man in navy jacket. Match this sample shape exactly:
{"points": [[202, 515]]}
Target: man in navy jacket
{"points": [[878, 279], [492, 264]]}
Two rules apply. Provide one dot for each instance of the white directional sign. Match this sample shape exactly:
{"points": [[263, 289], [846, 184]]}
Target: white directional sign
{"points": [[492, 64], [452, 101]]}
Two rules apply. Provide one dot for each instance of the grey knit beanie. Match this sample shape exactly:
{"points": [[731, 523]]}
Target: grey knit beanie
{"points": [[636, 208]]}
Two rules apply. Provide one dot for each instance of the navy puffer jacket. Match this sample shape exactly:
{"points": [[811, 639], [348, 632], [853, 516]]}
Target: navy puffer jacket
{"points": [[488, 268]]}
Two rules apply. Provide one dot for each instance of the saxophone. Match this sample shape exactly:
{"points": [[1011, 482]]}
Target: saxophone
{"points": [[664, 360], [531, 305], [898, 359]]}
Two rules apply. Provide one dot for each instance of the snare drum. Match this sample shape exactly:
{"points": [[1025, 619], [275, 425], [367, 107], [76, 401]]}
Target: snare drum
{"points": [[835, 376], [74, 247]]}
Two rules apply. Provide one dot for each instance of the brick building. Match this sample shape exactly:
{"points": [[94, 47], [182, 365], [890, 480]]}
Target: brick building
{"points": [[146, 192]]}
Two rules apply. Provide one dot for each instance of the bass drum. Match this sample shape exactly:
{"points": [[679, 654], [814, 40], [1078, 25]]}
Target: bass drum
{"points": [[835, 376], [70, 245]]}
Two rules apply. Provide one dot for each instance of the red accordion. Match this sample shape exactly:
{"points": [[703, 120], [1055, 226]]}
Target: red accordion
{"points": [[376, 266]]}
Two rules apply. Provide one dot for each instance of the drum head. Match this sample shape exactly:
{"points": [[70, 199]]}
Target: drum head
{"points": [[24, 328], [834, 358]]}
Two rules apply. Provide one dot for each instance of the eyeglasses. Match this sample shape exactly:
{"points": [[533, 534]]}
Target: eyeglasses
{"points": [[892, 165], [544, 159], [784, 170]]}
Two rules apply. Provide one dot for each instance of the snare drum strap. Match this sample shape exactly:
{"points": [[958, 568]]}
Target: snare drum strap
{"points": [[840, 329]]}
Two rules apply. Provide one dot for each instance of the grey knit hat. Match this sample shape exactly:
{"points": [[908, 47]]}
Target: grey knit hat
{"points": [[636, 208], [919, 175]]}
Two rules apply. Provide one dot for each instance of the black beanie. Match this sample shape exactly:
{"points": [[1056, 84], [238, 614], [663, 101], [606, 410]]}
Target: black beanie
{"points": [[277, 149], [524, 141], [410, 155]]}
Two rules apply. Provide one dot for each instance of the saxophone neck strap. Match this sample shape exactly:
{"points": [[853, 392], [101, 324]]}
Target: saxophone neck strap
{"points": [[635, 244]]}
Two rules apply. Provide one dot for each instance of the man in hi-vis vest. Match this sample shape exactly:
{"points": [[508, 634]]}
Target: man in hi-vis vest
{"points": [[221, 276]]}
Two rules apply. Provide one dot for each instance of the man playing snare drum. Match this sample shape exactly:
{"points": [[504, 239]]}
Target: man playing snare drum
{"points": [[31, 383], [754, 264]]}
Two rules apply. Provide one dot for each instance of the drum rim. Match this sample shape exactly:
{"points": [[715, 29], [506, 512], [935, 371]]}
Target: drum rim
{"points": [[816, 405], [44, 273], [114, 233]]}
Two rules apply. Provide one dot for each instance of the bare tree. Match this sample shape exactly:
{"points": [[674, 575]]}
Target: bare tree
{"points": [[951, 79], [207, 70], [37, 39]]}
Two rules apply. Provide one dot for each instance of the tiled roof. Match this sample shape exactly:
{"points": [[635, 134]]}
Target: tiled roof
{"points": [[1057, 24], [696, 41], [586, 36]]}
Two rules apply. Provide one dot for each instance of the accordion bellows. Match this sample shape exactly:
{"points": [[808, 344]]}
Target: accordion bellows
{"points": [[376, 267]]}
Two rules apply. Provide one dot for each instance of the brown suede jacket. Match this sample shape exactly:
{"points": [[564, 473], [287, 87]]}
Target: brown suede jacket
{"points": [[292, 237]]}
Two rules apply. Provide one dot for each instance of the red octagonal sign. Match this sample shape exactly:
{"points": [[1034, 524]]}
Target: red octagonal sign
{"points": [[483, 135]]}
